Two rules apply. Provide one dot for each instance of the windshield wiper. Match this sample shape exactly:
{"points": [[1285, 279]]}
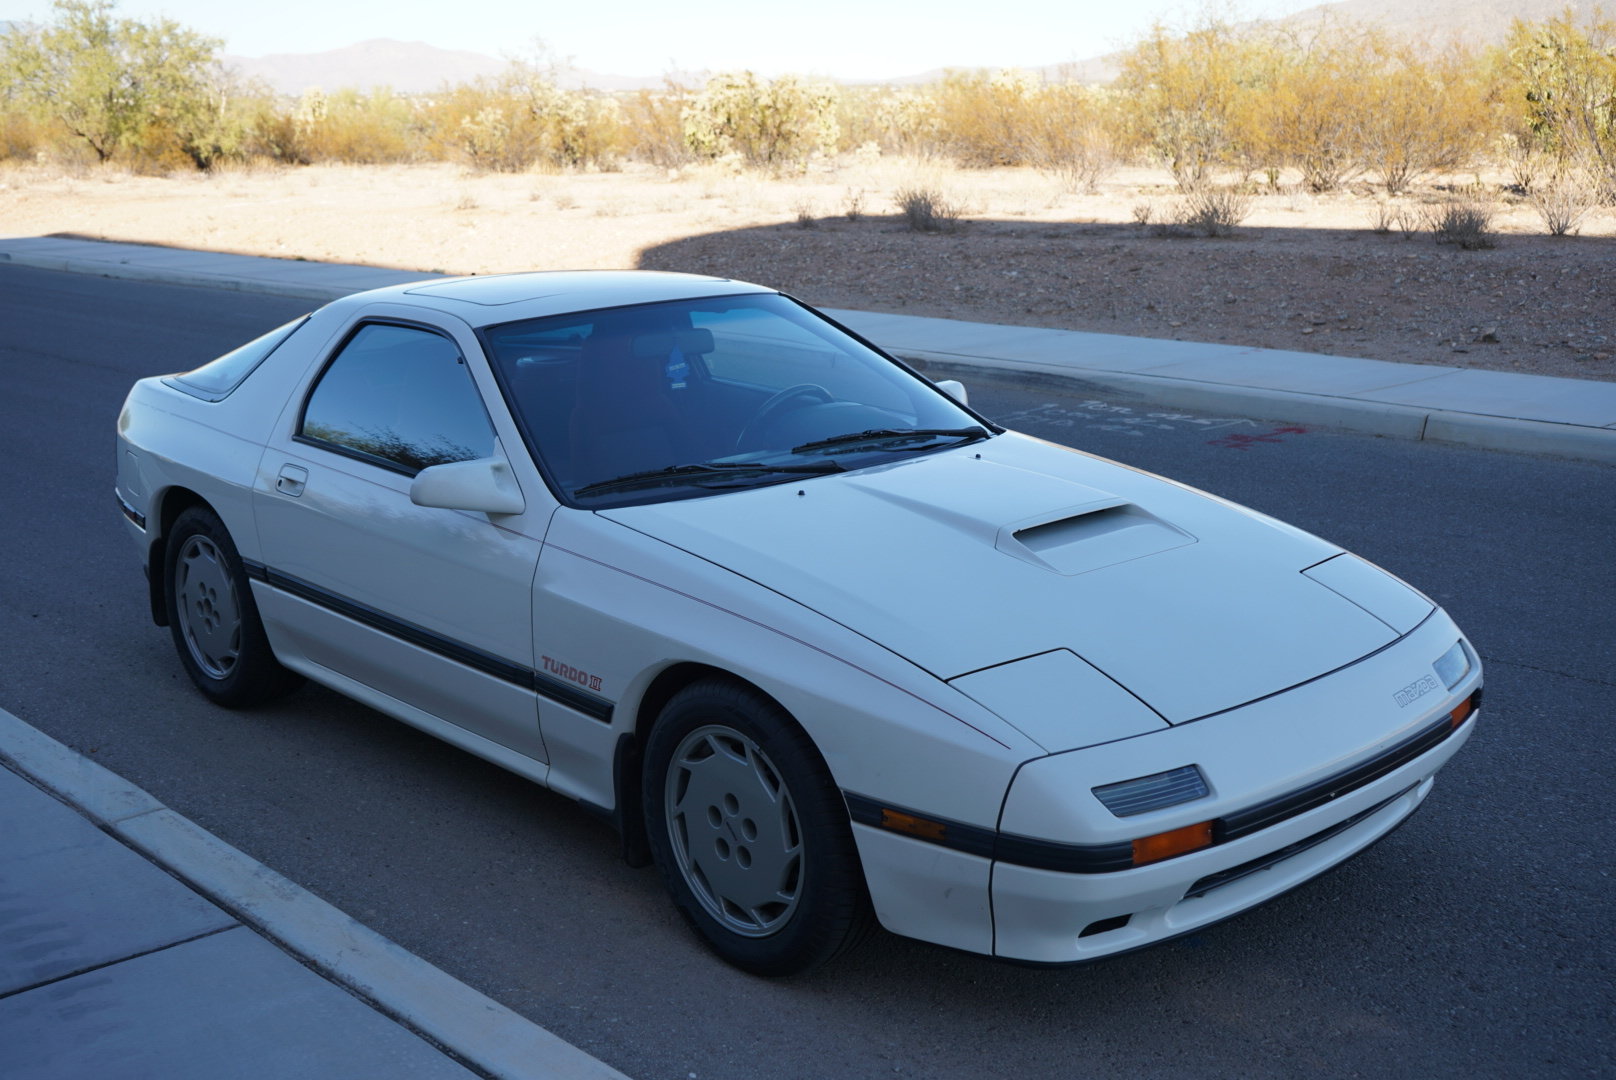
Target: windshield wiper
{"points": [[706, 469], [892, 435]]}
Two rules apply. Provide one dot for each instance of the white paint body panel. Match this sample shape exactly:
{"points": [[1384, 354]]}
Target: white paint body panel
{"points": [[907, 555]]}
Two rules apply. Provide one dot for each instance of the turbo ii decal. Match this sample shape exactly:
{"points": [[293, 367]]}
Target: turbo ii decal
{"points": [[571, 674]]}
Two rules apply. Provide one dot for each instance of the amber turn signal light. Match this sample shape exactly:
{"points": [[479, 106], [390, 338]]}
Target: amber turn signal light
{"points": [[1149, 849], [914, 826], [1462, 711]]}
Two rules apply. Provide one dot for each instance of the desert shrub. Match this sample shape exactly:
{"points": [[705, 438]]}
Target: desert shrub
{"points": [[1388, 215], [358, 128], [1561, 88], [859, 117], [1213, 210], [498, 137], [121, 87], [925, 209], [1382, 216], [770, 123], [1182, 94], [1423, 113], [274, 132], [907, 122], [22, 135], [1563, 202], [521, 119], [1334, 100], [1071, 135], [1526, 162], [984, 118], [653, 125], [1314, 105], [1466, 222]]}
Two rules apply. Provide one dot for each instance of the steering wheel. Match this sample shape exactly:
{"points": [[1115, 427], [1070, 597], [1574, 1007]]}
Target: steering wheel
{"points": [[770, 411]]}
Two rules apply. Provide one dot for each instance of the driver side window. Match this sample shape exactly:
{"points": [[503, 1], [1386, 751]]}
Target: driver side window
{"points": [[399, 397]]}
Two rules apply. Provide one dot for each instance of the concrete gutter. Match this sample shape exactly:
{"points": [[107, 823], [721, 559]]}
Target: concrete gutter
{"points": [[470, 1027]]}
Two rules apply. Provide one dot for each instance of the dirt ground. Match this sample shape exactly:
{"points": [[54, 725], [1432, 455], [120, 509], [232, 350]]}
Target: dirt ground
{"points": [[1301, 272]]}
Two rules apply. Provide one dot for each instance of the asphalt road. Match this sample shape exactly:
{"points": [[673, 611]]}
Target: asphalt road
{"points": [[1476, 941]]}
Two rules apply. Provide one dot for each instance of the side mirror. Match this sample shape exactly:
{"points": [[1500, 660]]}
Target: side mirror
{"points": [[954, 389], [483, 485]]}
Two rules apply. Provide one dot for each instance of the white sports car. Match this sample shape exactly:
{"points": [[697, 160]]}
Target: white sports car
{"points": [[829, 647]]}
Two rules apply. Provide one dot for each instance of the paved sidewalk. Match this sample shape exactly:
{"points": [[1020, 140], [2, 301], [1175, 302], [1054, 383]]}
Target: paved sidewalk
{"points": [[1496, 409], [136, 946]]}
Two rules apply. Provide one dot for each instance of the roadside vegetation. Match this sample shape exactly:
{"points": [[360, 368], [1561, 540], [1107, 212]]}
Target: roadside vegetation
{"points": [[1232, 112]]}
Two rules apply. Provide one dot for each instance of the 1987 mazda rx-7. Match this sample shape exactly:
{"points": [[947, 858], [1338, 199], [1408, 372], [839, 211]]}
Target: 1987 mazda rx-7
{"points": [[828, 646]]}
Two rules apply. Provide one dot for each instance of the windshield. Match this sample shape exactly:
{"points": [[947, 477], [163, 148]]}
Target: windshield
{"points": [[691, 397]]}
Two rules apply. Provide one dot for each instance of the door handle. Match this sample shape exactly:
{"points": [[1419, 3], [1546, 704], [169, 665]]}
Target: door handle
{"points": [[291, 480]]}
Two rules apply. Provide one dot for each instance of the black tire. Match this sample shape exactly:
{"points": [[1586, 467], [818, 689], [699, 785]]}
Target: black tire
{"points": [[212, 616], [751, 836]]}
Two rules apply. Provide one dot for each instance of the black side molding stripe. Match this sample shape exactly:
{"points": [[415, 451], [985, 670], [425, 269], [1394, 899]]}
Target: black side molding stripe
{"points": [[992, 844], [571, 696], [1066, 858], [544, 685]]}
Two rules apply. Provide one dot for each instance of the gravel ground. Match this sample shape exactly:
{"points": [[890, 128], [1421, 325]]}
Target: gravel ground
{"points": [[1532, 304], [1302, 272]]}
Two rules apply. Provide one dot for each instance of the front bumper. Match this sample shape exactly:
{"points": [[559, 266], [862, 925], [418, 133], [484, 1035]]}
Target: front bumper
{"points": [[1298, 783]]}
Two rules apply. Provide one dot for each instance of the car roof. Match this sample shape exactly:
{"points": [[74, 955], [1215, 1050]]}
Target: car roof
{"points": [[499, 298]]}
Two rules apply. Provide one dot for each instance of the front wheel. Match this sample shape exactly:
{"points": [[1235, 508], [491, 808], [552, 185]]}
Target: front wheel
{"points": [[213, 618], [749, 832]]}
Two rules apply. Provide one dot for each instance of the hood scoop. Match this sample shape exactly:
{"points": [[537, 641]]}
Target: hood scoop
{"points": [[1089, 537]]}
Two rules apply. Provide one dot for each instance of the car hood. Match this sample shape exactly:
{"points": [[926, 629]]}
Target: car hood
{"points": [[970, 558]]}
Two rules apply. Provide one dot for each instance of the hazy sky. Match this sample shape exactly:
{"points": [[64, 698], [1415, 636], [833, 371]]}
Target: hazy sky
{"points": [[843, 38]]}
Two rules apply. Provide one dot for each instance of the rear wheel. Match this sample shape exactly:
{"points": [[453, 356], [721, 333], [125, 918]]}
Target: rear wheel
{"points": [[213, 619], [749, 832]]}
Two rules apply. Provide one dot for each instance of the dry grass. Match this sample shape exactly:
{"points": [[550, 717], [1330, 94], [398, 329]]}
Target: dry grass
{"points": [[1467, 222], [925, 209], [1564, 204]]}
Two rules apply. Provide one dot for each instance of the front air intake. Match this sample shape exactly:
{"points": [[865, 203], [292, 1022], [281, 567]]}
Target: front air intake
{"points": [[1088, 538]]}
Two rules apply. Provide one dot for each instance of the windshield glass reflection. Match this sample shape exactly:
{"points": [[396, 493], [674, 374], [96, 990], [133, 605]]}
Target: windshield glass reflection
{"points": [[690, 397]]}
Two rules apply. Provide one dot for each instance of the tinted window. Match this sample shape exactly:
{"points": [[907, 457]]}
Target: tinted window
{"points": [[217, 378], [402, 396], [727, 391]]}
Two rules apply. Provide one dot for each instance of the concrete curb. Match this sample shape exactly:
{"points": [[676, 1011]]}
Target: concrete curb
{"points": [[1346, 414], [474, 1028]]}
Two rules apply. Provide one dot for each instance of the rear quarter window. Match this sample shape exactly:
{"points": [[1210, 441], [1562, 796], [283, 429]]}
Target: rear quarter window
{"points": [[215, 379]]}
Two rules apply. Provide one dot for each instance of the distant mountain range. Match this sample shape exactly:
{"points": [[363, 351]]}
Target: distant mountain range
{"points": [[410, 67], [414, 67], [1439, 21]]}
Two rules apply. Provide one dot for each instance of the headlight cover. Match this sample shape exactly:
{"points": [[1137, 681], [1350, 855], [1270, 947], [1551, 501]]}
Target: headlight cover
{"points": [[1452, 666]]}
